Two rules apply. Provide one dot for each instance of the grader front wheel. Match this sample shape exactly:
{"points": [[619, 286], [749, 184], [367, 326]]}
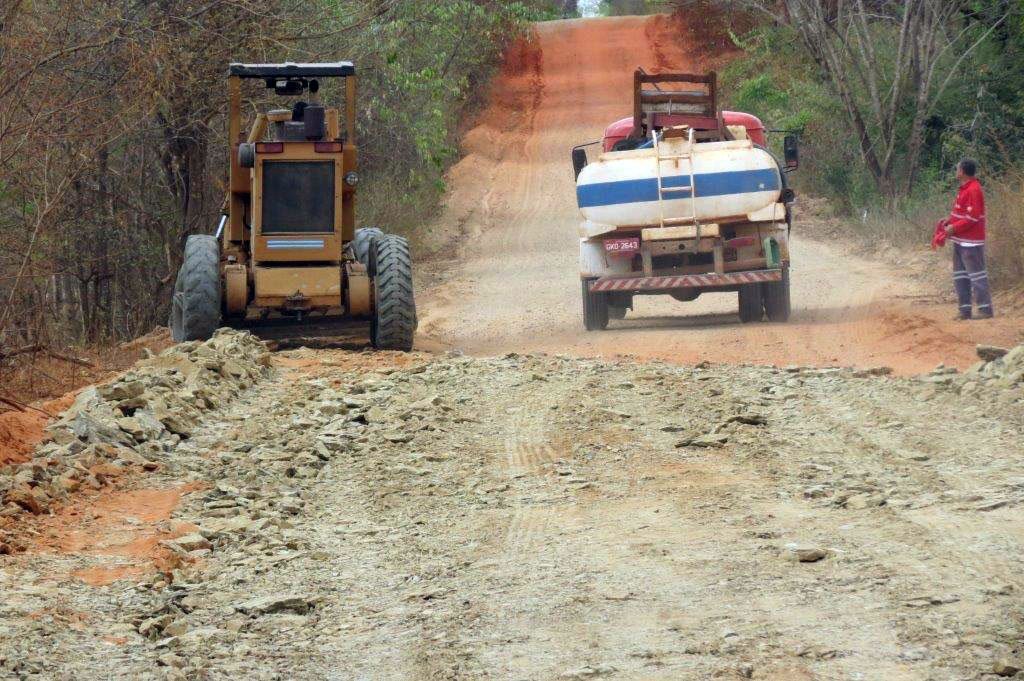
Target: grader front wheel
{"points": [[195, 308], [393, 325]]}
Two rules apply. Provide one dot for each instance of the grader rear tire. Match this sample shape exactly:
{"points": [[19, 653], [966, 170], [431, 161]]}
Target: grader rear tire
{"points": [[195, 309], [361, 244], [393, 326]]}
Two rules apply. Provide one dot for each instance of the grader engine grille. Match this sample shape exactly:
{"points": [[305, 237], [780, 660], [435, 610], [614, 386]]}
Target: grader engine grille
{"points": [[298, 197]]}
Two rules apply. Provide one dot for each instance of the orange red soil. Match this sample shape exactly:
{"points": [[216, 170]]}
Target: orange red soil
{"points": [[42, 377], [21, 431], [19, 434], [123, 529]]}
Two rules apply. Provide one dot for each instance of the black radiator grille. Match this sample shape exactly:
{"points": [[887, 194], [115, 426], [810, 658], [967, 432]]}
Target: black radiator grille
{"points": [[298, 197]]}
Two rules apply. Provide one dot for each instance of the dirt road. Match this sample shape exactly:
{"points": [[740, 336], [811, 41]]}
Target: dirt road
{"points": [[421, 517], [514, 284], [221, 512]]}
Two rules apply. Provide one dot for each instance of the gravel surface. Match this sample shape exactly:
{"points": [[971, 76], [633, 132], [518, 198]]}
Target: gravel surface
{"points": [[536, 517]]}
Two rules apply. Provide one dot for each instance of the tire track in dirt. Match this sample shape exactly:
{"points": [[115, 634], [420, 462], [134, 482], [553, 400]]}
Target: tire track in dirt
{"points": [[655, 31], [531, 451]]}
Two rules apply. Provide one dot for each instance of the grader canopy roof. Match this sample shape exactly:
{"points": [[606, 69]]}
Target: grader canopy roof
{"points": [[339, 69]]}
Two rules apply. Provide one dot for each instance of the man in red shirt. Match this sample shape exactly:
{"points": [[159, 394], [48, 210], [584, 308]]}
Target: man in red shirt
{"points": [[965, 227]]}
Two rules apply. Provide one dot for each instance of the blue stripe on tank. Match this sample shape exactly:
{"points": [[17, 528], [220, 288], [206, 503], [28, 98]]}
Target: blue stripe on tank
{"points": [[708, 184]]}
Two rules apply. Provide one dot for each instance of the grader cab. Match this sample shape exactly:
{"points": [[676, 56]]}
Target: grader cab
{"points": [[287, 247]]}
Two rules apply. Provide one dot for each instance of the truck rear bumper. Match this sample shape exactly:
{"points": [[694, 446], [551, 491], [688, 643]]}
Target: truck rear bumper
{"points": [[701, 281]]}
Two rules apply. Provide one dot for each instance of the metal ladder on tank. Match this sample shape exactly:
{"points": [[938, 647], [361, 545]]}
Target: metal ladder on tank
{"points": [[686, 156]]}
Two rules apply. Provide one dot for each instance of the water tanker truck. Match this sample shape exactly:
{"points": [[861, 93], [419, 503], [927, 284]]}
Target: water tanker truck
{"points": [[684, 199]]}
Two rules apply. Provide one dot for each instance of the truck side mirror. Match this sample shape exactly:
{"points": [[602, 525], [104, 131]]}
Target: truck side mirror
{"points": [[579, 161], [791, 151]]}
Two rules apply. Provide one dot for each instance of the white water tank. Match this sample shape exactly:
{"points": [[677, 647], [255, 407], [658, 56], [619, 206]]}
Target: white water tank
{"points": [[733, 179]]}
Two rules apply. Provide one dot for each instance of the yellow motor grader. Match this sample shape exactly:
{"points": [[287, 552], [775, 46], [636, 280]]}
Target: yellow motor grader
{"points": [[287, 246]]}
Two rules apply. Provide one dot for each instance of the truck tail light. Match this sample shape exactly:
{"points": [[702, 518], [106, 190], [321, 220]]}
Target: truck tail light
{"points": [[327, 147], [269, 147]]}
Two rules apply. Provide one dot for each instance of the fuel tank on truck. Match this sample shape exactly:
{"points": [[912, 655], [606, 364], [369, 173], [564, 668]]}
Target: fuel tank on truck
{"points": [[733, 178]]}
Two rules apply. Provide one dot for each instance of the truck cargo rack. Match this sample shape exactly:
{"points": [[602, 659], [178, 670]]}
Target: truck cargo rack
{"points": [[699, 99]]}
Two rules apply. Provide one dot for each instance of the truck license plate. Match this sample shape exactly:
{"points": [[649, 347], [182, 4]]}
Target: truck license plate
{"points": [[627, 246]]}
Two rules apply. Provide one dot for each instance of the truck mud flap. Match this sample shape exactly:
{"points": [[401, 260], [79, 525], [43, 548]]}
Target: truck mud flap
{"points": [[703, 281]]}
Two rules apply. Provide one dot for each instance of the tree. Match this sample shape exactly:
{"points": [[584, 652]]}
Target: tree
{"points": [[113, 143], [889, 63], [106, 123]]}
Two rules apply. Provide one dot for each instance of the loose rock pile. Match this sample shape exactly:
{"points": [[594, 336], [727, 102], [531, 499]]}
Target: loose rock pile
{"points": [[999, 377], [133, 421], [1003, 368]]}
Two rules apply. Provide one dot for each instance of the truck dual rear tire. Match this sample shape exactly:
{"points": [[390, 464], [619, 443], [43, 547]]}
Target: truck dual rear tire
{"points": [[777, 303], [619, 304], [751, 303], [196, 306], [393, 326], [595, 308]]}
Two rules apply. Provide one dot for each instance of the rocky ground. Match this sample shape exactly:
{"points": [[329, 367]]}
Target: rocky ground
{"points": [[343, 515]]}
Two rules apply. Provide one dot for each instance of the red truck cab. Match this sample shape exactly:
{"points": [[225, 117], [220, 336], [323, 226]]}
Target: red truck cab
{"points": [[623, 129]]}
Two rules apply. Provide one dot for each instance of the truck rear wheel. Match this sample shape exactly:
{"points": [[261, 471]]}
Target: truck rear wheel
{"points": [[196, 307], [776, 298], [685, 295], [619, 304], [751, 303], [393, 325], [361, 244], [595, 308]]}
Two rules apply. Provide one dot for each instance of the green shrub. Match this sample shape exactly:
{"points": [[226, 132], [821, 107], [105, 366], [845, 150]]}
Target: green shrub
{"points": [[980, 115]]}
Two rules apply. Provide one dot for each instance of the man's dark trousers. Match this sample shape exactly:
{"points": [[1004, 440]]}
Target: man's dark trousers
{"points": [[969, 275]]}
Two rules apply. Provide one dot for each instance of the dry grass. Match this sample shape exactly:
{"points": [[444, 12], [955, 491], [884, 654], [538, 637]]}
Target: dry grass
{"points": [[901, 238], [1005, 208], [913, 226], [33, 377]]}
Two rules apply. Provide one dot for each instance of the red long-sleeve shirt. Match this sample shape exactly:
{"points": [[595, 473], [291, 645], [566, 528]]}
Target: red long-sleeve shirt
{"points": [[968, 216]]}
